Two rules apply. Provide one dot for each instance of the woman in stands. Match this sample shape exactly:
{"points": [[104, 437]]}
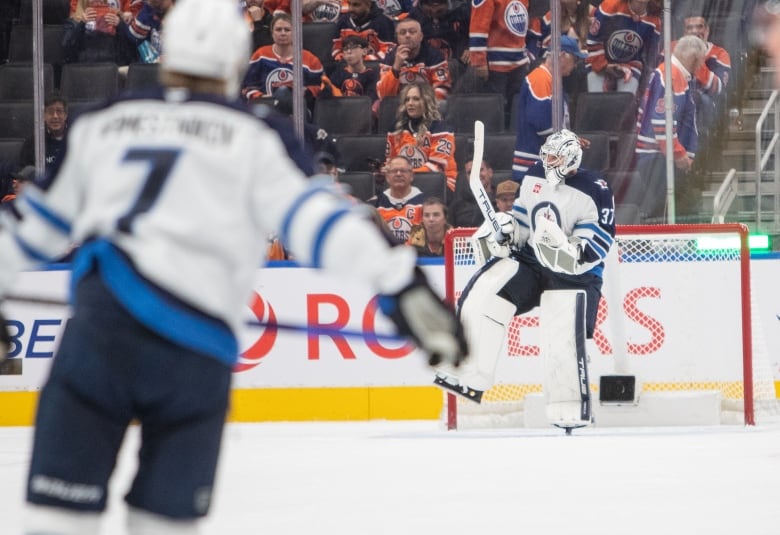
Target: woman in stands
{"points": [[271, 66], [421, 136]]}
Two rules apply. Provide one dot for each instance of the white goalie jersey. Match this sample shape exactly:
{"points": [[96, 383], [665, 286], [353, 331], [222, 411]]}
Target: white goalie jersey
{"points": [[583, 207], [173, 204]]}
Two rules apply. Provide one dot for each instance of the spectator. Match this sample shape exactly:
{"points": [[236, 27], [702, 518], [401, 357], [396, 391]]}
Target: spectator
{"points": [[497, 47], [506, 192], [395, 9], [687, 58], [271, 67], [421, 136], [428, 237], [446, 29], [312, 10], [94, 32], [536, 106], [400, 205], [464, 210], [144, 29], [576, 18], [355, 78], [369, 22], [712, 78], [55, 122], [18, 180], [412, 60], [623, 44]]}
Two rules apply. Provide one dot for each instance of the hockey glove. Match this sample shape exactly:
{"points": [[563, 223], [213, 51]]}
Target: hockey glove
{"points": [[420, 314], [5, 339]]}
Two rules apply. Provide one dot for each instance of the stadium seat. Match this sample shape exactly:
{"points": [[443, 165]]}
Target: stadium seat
{"points": [[53, 11], [361, 184], [20, 44], [356, 151], [609, 112], [11, 151], [16, 80], [388, 107], [317, 38], [77, 107], [16, 119], [597, 156], [431, 184], [142, 76], [89, 80], [623, 151], [464, 109], [499, 150], [343, 115]]}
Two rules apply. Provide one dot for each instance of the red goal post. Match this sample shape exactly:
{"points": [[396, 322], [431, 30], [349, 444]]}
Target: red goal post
{"points": [[686, 323]]}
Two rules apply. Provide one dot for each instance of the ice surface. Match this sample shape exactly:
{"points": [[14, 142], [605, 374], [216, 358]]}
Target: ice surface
{"points": [[366, 478]]}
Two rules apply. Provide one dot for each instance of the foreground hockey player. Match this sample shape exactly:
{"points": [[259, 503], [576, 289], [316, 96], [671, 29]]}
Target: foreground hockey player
{"points": [[549, 251], [170, 198]]}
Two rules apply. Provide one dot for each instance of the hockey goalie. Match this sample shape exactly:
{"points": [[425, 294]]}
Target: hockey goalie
{"points": [[549, 252]]}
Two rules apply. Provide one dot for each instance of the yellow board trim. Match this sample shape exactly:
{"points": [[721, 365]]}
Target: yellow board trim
{"points": [[289, 404], [292, 404]]}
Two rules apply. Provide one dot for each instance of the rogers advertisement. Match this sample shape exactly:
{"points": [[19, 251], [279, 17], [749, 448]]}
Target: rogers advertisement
{"points": [[341, 338]]}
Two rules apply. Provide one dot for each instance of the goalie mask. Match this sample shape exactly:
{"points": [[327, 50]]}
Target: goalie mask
{"points": [[561, 154]]}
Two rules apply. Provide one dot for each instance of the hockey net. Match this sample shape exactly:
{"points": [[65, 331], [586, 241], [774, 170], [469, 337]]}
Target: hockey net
{"points": [[675, 312]]}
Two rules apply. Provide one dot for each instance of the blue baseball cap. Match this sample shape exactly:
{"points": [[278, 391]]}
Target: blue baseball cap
{"points": [[571, 46]]}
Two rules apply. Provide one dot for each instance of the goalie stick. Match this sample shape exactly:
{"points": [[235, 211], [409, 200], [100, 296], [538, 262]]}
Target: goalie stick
{"points": [[485, 206]]}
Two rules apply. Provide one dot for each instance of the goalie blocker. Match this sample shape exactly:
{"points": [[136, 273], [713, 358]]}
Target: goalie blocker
{"points": [[562, 340]]}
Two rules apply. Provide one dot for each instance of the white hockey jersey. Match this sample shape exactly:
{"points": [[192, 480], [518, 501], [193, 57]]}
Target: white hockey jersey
{"points": [[171, 198], [582, 206]]}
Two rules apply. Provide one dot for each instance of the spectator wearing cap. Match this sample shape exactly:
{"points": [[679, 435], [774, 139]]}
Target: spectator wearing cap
{"points": [[354, 78], [464, 210], [428, 237], [18, 179], [534, 118], [506, 192], [55, 121]]}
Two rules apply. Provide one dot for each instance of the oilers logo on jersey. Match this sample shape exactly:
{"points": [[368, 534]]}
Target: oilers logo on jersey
{"points": [[325, 12], [624, 45], [415, 156], [516, 18], [278, 78]]}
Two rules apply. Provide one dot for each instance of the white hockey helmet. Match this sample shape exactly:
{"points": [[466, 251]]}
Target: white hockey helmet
{"points": [[207, 38], [561, 154]]}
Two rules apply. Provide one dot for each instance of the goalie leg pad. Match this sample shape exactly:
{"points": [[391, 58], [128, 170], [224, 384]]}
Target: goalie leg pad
{"points": [[485, 317], [562, 340]]}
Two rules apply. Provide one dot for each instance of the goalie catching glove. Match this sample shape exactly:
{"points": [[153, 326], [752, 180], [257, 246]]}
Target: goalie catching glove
{"points": [[420, 314], [555, 250]]}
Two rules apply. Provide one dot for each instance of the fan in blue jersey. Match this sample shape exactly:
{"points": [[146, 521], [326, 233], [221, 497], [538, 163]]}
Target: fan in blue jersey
{"points": [[560, 231], [169, 196]]}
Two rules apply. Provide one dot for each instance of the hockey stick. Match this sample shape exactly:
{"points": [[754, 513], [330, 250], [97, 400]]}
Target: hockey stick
{"points": [[485, 206], [309, 330]]}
